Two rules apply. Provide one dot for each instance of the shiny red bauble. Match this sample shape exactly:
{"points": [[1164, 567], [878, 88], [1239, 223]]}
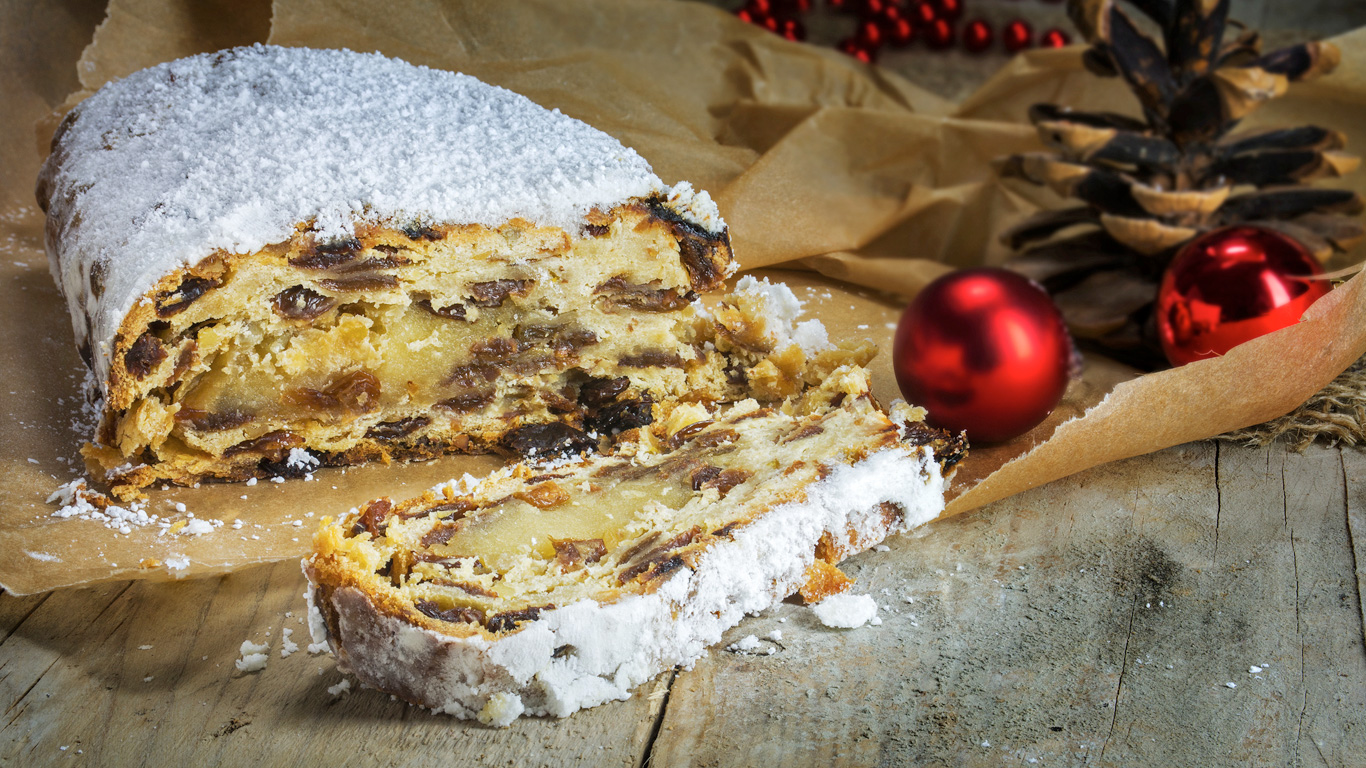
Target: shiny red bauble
{"points": [[1017, 36], [983, 350], [1054, 38], [977, 36], [1230, 286]]}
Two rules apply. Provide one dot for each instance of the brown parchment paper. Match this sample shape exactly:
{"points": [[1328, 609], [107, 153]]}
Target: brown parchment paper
{"points": [[817, 161]]}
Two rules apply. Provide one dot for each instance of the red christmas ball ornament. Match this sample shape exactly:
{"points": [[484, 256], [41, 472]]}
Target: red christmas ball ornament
{"points": [[983, 350], [949, 9], [977, 36], [939, 34], [1017, 36], [1230, 286], [1054, 38]]}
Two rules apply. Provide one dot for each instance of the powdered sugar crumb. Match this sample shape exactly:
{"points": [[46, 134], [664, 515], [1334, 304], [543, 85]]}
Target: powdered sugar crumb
{"points": [[746, 643], [846, 611], [343, 687], [254, 657], [195, 527], [289, 646], [301, 459], [76, 500]]}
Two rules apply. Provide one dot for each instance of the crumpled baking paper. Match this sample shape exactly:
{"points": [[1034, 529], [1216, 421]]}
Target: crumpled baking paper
{"points": [[818, 162]]}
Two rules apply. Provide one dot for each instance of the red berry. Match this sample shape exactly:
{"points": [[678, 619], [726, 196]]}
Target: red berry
{"points": [[744, 15], [949, 9], [792, 29], [939, 34], [869, 35], [760, 7], [873, 8], [1054, 38], [1017, 36], [923, 13], [899, 32], [770, 23], [851, 46], [976, 36]]}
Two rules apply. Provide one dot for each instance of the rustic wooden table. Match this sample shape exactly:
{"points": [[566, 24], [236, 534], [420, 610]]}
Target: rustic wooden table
{"points": [[1198, 606], [1201, 606]]}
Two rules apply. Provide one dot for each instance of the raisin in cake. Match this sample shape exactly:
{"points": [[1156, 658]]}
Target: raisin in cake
{"points": [[548, 588], [269, 249]]}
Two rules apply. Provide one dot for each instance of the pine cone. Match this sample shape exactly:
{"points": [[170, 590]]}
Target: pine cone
{"points": [[1150, 185]]}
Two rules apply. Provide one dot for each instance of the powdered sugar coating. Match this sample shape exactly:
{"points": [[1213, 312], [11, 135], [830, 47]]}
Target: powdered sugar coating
{"points": [[231, 151], [619, 645]]}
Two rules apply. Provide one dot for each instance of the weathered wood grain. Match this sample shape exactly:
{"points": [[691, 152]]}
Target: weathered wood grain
{"points": [[1092, 622], [78, 676], [1096, 621], [1354, 471]]}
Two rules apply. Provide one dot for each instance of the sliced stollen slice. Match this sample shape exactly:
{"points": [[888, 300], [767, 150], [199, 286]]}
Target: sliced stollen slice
{"points": [[267, 249], [545, 588]]}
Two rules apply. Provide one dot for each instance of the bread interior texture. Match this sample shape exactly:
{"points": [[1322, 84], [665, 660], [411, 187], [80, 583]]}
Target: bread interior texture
{"points": [[412, 343]]}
